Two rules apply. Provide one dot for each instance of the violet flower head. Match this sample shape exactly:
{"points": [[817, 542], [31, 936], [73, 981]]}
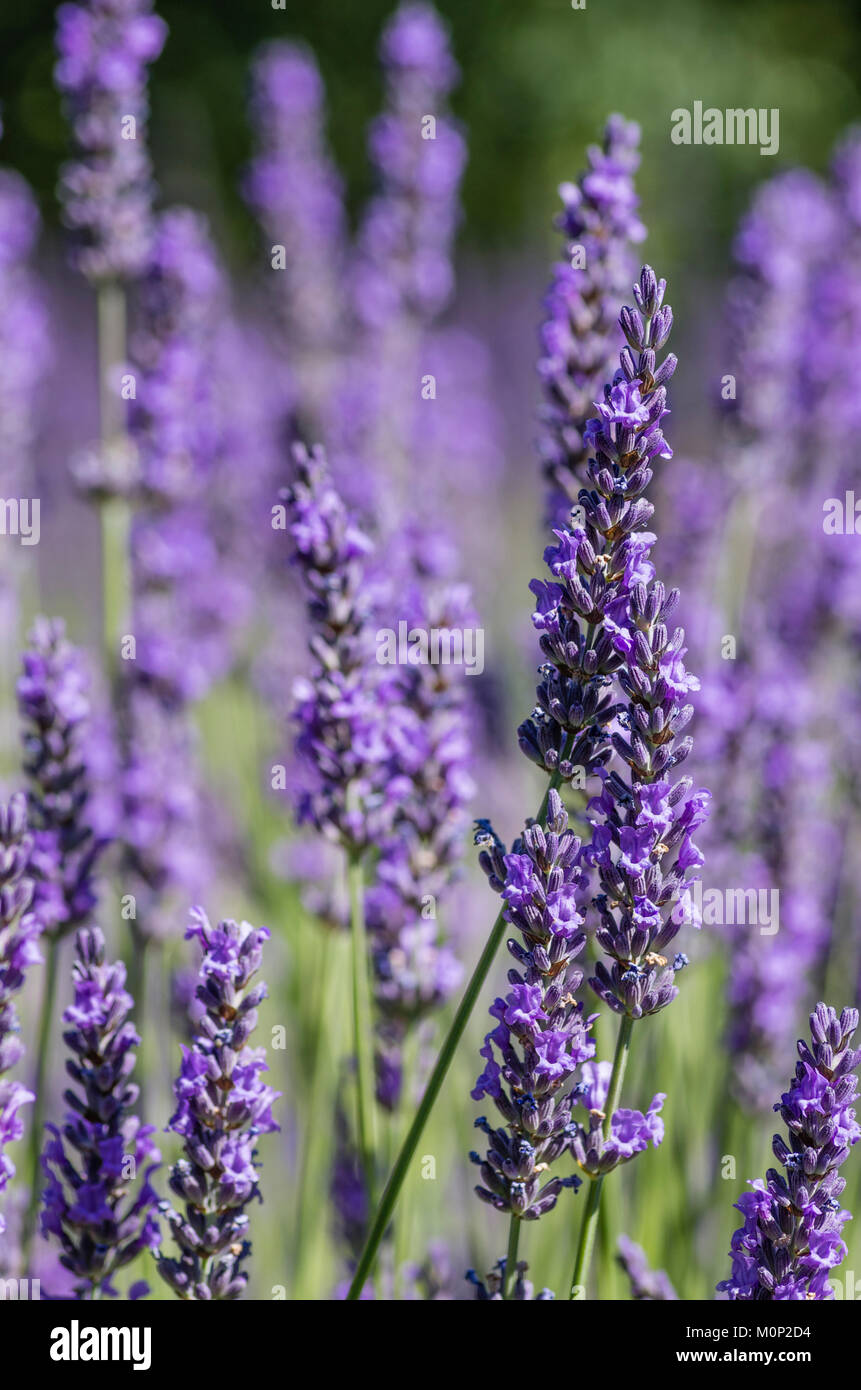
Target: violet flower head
{"points": [[222, 1108], [489, 1289], [343, 741], [296, 192], [104, 48], [19, 950], [415, 970], [791, 1237], [647, 1285], [24, 335], [403, 264], [580, 337], [55, 709], [98, 1203], [181, 596], [643, 817], [540, 1037]]}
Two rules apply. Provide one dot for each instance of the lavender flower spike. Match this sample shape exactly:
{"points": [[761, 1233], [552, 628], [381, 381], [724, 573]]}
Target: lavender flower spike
{"points": [[790, 1240], [580, 336], [19, 931], [222, 1106], [541, 1036], [92, 1206], [642, 818], [647, 1285], [104, 48], [53, 702]]}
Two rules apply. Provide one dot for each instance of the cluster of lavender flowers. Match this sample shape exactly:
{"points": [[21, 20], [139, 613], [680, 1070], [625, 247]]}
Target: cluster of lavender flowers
{"points": [[341, 711], [25, 353], [580, 336], [415, 970], [99, 1203], [296, 193], [642, 817], [104, 49], [541, 1035], [54, 707], [791, 1237], [647, 1285], [403, 263], [222, 1107], [19, 951]]}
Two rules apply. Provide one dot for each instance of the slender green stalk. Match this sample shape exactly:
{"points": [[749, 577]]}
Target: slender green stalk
{"points": [[392, 1190], [511, 1256], [138, 989], [318, 1135], [49, 994], [593, 1202], [362, 1026], [115, 514]]}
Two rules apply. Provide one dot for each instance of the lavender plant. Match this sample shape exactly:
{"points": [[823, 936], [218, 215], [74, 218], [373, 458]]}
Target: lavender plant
{"points": [[98, 1202], [541, 1034], [222, 1107], [580, 337], [19, 951], [104, 48], [55, 711], [791, 1237]]}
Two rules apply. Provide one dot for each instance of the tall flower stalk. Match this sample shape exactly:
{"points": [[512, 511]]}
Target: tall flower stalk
{"points": [[19, 951], [340, 714], [580, 336], [55, 711], [104, 48], [791, 1240], [642, 821], [222, 1107], [98, 1202]]}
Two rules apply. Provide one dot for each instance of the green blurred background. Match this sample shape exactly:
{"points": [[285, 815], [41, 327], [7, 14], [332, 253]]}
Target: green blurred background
{"points": [[538, 80]]}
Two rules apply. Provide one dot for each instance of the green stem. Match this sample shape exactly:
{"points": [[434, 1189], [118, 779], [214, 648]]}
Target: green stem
{"points": [[115, 513], [362, 1025], [49, 992], [317, 1136], [511, 1257], [593, 1202], [138, 991], [392, 1190]]}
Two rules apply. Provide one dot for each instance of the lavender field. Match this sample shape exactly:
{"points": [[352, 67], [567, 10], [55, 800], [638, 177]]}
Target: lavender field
{"points": [[430, 698]]}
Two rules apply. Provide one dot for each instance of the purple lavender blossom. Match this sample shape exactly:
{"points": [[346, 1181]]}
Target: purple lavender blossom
{"points": [[647, 1285], [415, 971], [104, 49], [342, 739], [296, 193], [404, 249], [541, 1037], [489, 1289], [19, 934], [181, 604], [222, 1107], [92, 1207], [637, 823], [791, 1237], [53, 702], [580, 337]]}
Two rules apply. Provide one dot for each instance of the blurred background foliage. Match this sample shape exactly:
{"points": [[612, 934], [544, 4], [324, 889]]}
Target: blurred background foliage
{"points": [[538, 79]]}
